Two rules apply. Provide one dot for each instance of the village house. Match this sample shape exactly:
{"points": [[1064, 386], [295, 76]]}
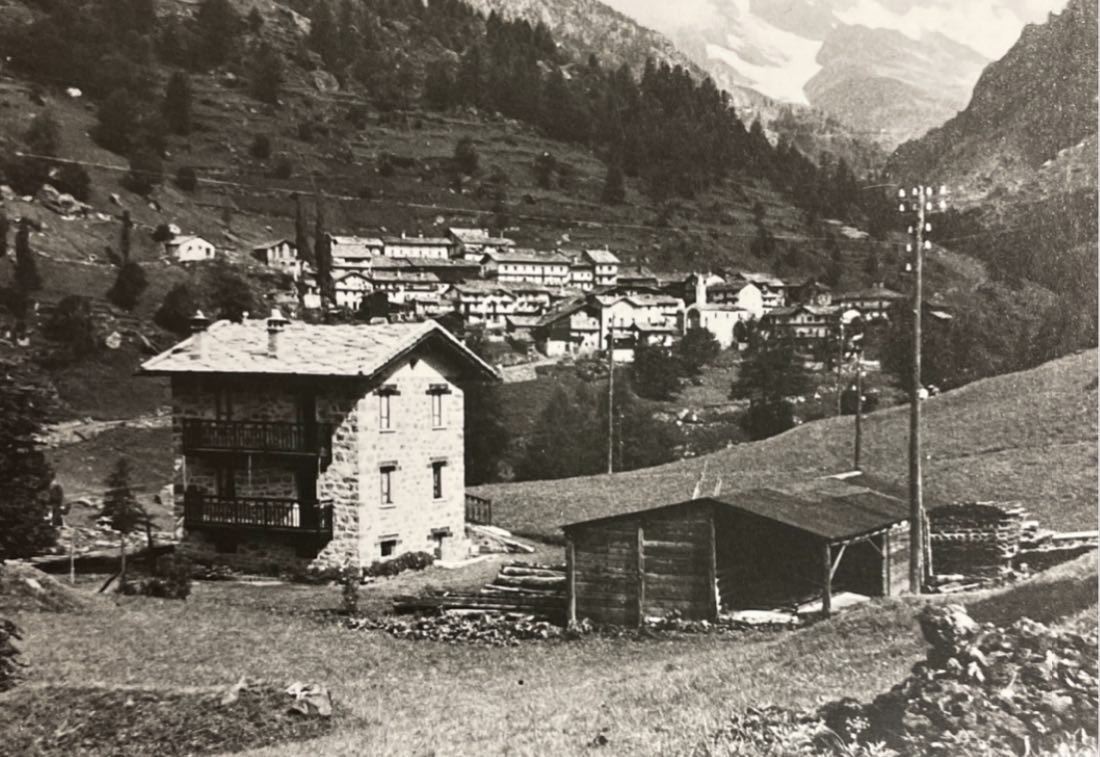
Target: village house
{"points": [[481, 303], [471, 244], [323, 446], [773, 290], [737, 293], [809, 291], [525, 266], [587, 324], [403, 246], [637, 278], [279, 254], [808, 323], [354, 252], [190, 249], [582, 275], [874, 303], [720, 319]]}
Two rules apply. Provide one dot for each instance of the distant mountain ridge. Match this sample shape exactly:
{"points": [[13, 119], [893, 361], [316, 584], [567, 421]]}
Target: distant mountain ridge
{"points": [[1034, 108]]}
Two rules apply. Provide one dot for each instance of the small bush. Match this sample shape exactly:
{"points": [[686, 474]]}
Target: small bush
{"points": [[350, 578], [74, 180], [284, 168], [357, 115], [146, 171], [399, 564], [386, 167], [9, 663], [305, 131], [187, 179], [162, 233], [260, 147], [171, 580]]}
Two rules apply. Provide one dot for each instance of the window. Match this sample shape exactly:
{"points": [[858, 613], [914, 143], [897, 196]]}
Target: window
{"points": [[388, 546], [385, 479], [385, 418], [384, 412], [437, 391], [437, 410], [437, 479]]}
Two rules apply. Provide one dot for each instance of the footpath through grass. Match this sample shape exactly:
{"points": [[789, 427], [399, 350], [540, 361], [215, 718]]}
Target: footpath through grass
{"points": [[645, 696]]}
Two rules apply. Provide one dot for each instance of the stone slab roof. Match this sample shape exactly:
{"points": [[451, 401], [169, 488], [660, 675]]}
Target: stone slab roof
{"points": [[304, 349]]}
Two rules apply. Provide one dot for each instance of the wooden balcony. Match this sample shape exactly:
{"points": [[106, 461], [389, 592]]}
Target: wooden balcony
{"points": [[202, 510], [201, 434]]}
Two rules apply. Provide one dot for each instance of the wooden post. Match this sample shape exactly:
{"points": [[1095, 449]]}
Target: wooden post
{"points": [[570, 582], [712, 570], [916, 484], [827, 575], [641, 575], [859, 412]]}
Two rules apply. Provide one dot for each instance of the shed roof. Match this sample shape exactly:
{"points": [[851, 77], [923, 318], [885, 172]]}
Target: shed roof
{"points": [[828, 508], [601, 257], [305, 349]]}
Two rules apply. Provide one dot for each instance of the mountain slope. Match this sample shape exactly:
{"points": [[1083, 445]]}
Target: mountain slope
{"points": [[1027, 108], [1028, 436]]}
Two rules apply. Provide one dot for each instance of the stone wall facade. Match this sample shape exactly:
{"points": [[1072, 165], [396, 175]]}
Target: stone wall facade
{"points": [[425, 430]]}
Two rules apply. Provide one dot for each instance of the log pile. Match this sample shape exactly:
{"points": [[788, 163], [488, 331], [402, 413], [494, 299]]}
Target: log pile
{"points": [[975, 539], [520, 588]]}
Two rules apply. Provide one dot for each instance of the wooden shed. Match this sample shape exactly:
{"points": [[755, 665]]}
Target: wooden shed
{"points": [[763, 548]]}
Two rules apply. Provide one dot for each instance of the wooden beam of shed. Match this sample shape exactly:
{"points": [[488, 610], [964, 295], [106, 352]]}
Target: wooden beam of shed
{"points": [[836, 562], [641, 575], [862, 537], [712, 571], [571, 582]]}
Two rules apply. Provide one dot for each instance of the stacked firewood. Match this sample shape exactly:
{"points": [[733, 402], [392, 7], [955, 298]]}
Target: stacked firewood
{"points": [[466, 626], [535, 590]]}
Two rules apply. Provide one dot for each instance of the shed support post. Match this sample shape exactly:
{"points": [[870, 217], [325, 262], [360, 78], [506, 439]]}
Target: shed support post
{"points": [[570, 583], [827, 575], [712, 571], [641, 575]]}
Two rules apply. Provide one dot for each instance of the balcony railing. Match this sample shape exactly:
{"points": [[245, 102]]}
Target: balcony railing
{"points": [[204, 510], [479, 511], [251, 436]]}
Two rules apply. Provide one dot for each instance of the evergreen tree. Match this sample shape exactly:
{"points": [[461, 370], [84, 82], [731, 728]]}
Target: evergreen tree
{"points": [[128, 286], [301, 235], [872, 264], [25, 474], [178, 308], [322, 251], [560, 444], [117, 122], [72, 324], [697, 348], [655, 373], [835, 270], [217, 25], [439, 86], [641, 441], [771, 373], [43, 136], [122, 509], [267, 75], [466, 157], [27, 279], [255, 20], [124, 236], [228, 294], [177, 103], [614, 190], [324, 37], [146, 171], [544, 170], [487, 435], [5, 227]]}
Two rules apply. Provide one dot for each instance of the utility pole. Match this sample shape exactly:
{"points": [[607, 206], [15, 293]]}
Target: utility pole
{"points": [[611, 395], [919, 202], [840, 372], [859, 410]]}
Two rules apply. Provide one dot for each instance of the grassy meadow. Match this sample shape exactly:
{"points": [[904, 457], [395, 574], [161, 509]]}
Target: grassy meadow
{"points": [[659, 695], [1028, 437]]}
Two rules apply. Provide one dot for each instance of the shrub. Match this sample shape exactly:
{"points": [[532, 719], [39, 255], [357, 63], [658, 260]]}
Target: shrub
{"points": [[171, 579], [146, 171], [305, 131], [43, 137], [386, 167], [283, 168], [399, 564], [162, 233], [260, 147], [357, 115], [72, 178], [129, 286], [466, 157], [187, 179], [9, 664], [350, 578], [176, 311], [71, 323]]}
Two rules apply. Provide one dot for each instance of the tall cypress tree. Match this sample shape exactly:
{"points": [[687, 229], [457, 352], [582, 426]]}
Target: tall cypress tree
{"points": [[301, 235], [177, 103], [322, 250], [27, 279]]}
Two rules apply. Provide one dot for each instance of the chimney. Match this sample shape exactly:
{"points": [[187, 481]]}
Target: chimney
{"points": [[275, 325], [700, 289], [198, 323]]}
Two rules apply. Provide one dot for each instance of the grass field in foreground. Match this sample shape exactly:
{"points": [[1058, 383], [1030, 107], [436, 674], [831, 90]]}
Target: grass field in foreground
{"points": [[1028, 436], [655, 696]]}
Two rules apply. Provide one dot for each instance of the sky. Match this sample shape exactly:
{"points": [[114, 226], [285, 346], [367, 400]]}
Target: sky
{"points": [[989, 26]]}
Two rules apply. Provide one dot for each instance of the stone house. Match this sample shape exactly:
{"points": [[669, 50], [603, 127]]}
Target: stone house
{"points": [[354, 252], [190, 249], [280, 254], [403, 246], [874, 303], [523, 266], [318, 446], [471, 244]]}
